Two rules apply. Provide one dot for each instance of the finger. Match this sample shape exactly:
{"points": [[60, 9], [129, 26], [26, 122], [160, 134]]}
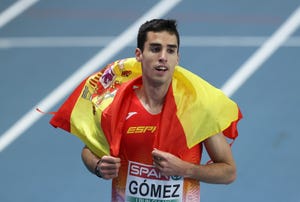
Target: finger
{"points": [[110, 175], [109, 166], [157, 155], [109, 172], [156, 151], [157, 158], [157, 164], [110, 159]]}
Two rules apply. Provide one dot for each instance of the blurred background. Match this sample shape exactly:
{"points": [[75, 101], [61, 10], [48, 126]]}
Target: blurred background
{"points": [[47, 47]]}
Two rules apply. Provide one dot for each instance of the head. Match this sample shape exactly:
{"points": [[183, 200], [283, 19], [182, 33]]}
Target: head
{"points": [[158, 44], [156, 25]]}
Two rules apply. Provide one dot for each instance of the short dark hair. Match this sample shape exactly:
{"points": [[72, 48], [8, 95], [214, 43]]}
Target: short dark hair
{"points": [[156, 25]]}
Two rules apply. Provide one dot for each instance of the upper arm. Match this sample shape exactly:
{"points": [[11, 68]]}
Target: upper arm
{"points": [[218, 149]]}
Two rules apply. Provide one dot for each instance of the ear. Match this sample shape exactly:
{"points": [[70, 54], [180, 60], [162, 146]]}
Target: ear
{"points": [[178, 57], [138, 54]]}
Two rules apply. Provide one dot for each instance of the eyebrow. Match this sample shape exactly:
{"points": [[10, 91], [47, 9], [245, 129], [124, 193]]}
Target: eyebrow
{"points": [[169, 45]]}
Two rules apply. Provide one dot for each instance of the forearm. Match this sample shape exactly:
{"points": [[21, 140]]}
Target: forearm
{"points": [[89, 159], [107, 167], [216, 173], [223, 168], [222, 171]]}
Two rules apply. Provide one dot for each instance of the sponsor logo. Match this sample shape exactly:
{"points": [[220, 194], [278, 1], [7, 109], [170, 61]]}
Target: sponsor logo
{"points": [[146, 172], [130, 114], [141, 129]]}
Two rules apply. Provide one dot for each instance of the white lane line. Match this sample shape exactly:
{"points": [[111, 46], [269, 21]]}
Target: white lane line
{"points": [[55, 42], [185, 41], [232, 41], [15, 10], [263, 53], [100, 59]]}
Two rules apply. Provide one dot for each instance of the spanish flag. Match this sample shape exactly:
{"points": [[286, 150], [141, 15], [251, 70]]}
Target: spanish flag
{"points": [[95, 112]]}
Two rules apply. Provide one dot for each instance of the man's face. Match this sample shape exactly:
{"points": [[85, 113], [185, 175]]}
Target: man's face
{"points": [[159, 57]]}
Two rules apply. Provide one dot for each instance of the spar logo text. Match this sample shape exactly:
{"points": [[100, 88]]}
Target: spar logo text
{"points": [[146, 172]]}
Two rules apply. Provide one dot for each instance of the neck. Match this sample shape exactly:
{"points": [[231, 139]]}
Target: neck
{"points": [[152, 97]]}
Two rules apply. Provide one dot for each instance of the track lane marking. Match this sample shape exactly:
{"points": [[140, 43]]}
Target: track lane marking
{"points": [[101, 41], [262, 54], [14, 10], [100, 59]]}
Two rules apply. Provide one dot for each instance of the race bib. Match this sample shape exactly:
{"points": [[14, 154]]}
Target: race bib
{"points": [[145, 183]]}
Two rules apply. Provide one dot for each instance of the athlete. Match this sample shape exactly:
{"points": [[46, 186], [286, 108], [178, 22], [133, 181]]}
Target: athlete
{"points": [[154, 160]]}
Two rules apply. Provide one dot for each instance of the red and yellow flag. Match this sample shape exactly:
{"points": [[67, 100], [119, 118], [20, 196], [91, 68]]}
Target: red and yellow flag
{"points": [[95, 112]]}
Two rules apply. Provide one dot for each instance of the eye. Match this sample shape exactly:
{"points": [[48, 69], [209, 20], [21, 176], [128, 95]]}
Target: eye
{"points": [[171, 50], [155, 49]]}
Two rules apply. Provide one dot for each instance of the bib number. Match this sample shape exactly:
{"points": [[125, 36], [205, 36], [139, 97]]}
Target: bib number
{"points": [[145, 183]]}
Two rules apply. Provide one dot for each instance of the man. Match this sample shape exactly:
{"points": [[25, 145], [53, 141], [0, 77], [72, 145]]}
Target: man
{"points": [[153, 156]]}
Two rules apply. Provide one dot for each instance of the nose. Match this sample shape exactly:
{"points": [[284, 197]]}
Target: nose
{"points": [[163, 57]]}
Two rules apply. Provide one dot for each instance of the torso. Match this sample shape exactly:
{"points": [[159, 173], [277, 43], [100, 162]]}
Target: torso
{"points": [[137, 169]]}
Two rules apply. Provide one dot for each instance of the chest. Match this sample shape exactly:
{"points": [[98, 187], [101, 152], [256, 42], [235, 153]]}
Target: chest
{"points": [[142, 132], [139, 132]]}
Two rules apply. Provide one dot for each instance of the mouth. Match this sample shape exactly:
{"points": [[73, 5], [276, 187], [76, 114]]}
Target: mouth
{"points": [[161, 68]]}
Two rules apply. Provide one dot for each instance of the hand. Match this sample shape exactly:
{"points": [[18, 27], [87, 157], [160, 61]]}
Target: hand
{"points": [[109, 167], [168, 164]]}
